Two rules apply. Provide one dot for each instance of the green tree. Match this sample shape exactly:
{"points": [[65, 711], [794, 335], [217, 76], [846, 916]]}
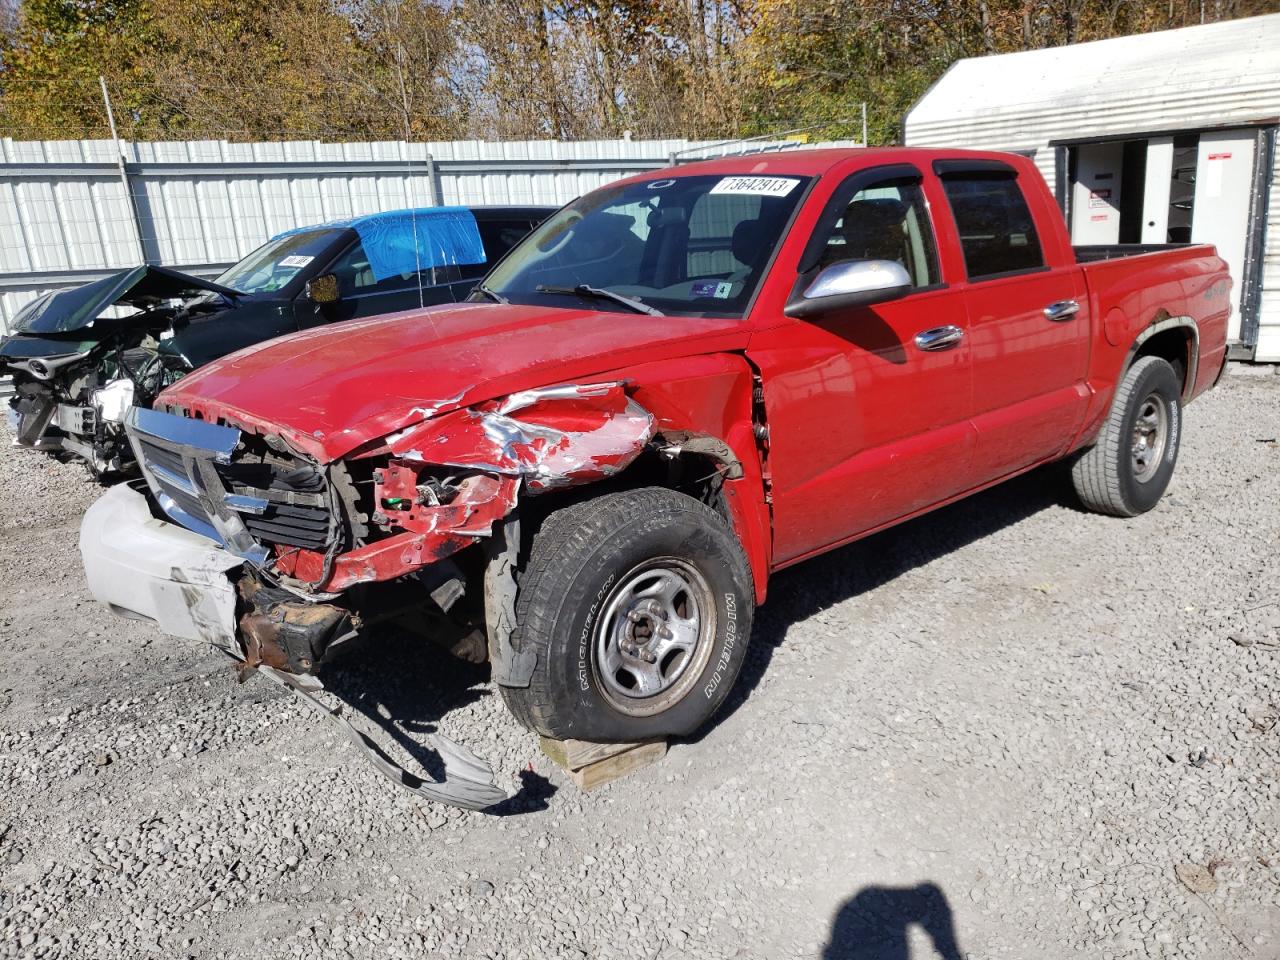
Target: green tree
{"points": [[55, 52], [817, 60], [408, 81], [256, 69]]}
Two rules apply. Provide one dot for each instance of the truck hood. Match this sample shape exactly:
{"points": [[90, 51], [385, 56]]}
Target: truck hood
{"points": [[335, 388], [72, 312]]}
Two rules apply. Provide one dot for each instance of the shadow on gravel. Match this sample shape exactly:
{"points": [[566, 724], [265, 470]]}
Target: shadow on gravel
{"points": [[874, 924], [404, 685], [802, 591]]}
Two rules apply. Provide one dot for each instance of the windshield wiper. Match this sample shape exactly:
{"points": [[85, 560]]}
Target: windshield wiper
{"points": [[491, 294], [600, 293]]}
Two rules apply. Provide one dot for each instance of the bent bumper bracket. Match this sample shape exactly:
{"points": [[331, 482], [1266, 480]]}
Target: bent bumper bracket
{"points": [[468, 780]]}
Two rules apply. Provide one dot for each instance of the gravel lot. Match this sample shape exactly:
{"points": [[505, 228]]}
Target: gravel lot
{"points": [[1010, 729]]}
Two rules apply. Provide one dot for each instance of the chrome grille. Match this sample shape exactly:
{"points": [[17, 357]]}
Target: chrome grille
{"points": [[188, 465], [296, 510]]}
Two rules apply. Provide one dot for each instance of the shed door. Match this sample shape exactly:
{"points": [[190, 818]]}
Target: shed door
{"points": [[1155, 196], [1096, 193], [1224, 192]]}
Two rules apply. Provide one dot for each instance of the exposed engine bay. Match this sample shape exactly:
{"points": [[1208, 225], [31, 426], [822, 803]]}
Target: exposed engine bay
{"points": [[79, 408], [80, 359]]}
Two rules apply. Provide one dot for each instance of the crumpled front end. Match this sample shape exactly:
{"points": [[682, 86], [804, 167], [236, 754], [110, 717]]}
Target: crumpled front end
{"points": [[310, 532], [440, 485]]}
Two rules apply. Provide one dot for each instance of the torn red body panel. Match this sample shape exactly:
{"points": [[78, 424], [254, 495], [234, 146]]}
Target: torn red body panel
{"points": [[544, 439], [553, 437], [431, 533]]}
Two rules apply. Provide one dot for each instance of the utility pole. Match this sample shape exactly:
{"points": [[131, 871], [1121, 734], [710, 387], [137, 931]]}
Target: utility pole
{"points": [[124, 170]]}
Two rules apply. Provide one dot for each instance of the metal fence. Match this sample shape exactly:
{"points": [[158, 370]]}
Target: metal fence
{"points": [[72, 211]]}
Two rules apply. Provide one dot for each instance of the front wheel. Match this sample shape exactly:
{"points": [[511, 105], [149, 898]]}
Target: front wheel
{"points": [[1128, 470], [638, 605]]}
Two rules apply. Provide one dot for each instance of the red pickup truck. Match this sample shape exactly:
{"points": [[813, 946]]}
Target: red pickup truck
{"points": [[676, 385]]}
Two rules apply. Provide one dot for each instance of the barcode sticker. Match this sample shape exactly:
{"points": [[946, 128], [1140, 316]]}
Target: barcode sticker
{"points": [[756, 186]]}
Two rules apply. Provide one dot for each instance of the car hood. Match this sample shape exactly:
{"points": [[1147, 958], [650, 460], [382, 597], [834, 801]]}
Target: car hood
{"points": [[18, 347], [72, 312], [332, 389]]}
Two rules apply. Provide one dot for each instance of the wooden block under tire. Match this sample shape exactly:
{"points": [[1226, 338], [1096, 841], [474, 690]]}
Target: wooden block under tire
{"points": [[591, 765]]}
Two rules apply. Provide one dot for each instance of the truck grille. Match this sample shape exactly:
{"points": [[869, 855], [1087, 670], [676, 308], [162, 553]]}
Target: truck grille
{"points": [[297, 510], [188, 465]]}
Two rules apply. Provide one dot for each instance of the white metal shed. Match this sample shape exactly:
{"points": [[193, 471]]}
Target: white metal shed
{"points": [[1156, 138]]}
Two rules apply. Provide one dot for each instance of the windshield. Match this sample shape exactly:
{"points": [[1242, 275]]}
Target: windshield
{"points": [[695, 245], [276, 262]]}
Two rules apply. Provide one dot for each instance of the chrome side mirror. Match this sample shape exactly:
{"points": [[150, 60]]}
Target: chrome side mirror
{"points": [[850, 283]]}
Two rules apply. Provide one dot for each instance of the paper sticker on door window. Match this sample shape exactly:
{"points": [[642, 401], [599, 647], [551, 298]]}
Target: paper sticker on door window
{"points": [[295, 261], [720, 289], [756, 186]]}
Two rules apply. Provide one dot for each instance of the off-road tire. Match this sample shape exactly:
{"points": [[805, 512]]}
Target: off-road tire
{"points": [[579, 560], [1105, 477]]}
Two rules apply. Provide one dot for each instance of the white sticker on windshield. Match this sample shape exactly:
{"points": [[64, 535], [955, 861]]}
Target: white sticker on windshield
{"points": [[756, 186], [295, 261]]}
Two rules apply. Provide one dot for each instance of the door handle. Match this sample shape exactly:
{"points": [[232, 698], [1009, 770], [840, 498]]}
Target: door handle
{"points": [[1061, 310], [939, 338]]}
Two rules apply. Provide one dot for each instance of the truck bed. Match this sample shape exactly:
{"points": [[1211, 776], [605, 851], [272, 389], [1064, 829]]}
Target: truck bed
{"points": [[1113, 251]]}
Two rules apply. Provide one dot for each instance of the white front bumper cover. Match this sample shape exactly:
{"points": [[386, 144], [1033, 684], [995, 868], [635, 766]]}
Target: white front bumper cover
{"points": [[145, 568]]}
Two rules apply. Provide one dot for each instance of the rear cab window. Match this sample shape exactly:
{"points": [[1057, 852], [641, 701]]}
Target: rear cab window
{"points": [[997, 231]]}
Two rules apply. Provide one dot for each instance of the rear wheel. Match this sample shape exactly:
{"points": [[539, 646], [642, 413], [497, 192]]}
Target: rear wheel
{"points": [[639, 606], [1128, 470]]}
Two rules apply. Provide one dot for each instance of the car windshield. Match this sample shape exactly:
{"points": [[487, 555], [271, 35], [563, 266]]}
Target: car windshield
{"points": [[691, 245], [276, 262]]}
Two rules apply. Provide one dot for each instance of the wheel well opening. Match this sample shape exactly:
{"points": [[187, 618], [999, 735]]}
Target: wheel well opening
{"points": [[1175, 346], [696, 474]]}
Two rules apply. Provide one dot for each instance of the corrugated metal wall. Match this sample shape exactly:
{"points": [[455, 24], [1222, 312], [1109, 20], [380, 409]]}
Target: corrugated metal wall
{"points": [[1215, 76], [1269, 309], [70, 212]]}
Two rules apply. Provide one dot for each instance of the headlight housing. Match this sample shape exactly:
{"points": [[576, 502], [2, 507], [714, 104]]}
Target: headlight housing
{"points": [[113, 401]]}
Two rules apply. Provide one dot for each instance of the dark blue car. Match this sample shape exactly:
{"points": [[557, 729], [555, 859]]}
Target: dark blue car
{"points": [[80, 358]]}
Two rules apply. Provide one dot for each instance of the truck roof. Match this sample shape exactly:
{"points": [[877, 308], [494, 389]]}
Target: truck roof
{"points": [[812, 163]]}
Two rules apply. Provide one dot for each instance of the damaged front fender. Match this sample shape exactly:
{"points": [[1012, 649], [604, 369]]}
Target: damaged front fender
{"points": [[533, 441], [552, 437]]}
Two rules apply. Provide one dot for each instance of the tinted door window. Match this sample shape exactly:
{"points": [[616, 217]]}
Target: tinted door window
{"points": [[997, 233], [355, 276], [886, 221]]}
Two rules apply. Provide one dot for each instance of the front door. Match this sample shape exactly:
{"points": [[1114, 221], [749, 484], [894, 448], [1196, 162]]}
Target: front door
{"points": [[869, 406]]}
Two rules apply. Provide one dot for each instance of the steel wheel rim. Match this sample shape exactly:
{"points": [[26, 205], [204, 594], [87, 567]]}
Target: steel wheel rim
{"points": [[1150, 437], [654, 637]]}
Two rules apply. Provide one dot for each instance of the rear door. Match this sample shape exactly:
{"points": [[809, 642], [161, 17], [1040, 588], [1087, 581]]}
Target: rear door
{"points": [[868, 407], [1028, 319]]}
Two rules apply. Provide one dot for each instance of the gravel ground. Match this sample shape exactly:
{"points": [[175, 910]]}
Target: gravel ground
{"points": [[1010, 729]]}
